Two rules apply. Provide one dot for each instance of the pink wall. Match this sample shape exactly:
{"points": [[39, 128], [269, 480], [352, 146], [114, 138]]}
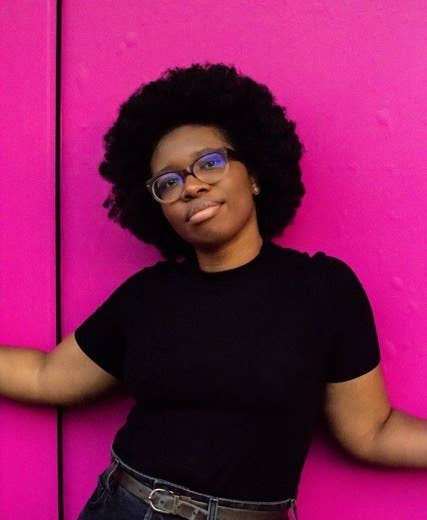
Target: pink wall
{"points": [[28, 457], [352, 75]]}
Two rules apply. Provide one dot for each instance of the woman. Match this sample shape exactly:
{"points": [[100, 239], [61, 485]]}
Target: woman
{"points": [[232, 346]]}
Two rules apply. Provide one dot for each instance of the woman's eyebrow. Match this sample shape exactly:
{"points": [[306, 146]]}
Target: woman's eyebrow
{"points": [[193, 156]]}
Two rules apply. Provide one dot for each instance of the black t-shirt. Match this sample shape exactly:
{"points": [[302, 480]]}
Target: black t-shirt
{"points": [[228, 368]]}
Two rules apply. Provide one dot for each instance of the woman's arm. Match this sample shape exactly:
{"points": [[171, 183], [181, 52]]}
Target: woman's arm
{"points": [[64, 376], [20, 373], [363, 421]]}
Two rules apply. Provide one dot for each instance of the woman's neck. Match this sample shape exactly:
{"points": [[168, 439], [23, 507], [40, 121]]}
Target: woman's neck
{"points": [[229, 255]]}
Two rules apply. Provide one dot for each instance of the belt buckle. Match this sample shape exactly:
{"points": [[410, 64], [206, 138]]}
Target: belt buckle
{"points": [[150, 496]]}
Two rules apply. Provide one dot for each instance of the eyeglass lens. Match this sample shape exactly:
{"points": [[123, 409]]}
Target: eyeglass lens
{"points": [[209, 168]]}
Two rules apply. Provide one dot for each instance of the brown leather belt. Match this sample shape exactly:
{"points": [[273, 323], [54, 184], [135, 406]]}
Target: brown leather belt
{"points": [[166, 501]]}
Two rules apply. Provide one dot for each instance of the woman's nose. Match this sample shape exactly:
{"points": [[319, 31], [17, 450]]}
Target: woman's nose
{"points": [[192, 185]]}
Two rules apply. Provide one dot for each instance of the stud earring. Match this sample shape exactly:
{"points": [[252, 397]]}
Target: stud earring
{"points": [[255, 190]]}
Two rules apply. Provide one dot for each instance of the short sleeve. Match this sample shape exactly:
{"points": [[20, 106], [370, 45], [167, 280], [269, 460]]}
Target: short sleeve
{"points": [[101, 336], [354, 348]]}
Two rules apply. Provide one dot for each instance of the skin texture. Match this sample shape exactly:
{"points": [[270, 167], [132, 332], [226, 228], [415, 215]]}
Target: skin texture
{"points": [[231, 237], [69, 377], [364, 423], [65, 376], [355, 411]]}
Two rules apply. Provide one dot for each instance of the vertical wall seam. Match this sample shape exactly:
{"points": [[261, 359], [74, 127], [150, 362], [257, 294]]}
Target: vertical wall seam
{"points": [[58, 292]]}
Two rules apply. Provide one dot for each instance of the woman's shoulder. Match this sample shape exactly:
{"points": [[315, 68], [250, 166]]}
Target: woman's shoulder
{"points": [[317, 258], [145, 274], [320, 263], [320, 258]]}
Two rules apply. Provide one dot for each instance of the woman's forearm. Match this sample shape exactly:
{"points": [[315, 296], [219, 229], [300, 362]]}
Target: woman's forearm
{"points": [[19, 369], [401, 441]]}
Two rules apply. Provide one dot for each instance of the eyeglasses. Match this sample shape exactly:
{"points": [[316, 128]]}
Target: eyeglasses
{"points": [[168, 186]]}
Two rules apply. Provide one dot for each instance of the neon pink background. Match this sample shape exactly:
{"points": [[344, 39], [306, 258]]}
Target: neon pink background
{"points": [[351, 74], [28, 456]]}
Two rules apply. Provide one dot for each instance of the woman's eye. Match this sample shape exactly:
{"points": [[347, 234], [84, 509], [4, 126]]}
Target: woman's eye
{"points": [[164, 184], [209, 163], [215, 161], [167, 183]]}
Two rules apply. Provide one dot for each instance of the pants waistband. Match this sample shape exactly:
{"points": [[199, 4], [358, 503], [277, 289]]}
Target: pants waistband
{"points": [[240, 504]]}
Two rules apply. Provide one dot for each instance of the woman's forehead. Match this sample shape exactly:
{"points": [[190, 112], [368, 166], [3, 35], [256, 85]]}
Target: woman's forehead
{"points": [[184, 144]]}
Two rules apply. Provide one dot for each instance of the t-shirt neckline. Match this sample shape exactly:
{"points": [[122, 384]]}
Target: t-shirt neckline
{"points": [[193, 268]]}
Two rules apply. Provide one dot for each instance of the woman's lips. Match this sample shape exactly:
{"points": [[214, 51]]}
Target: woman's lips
{"points": [[204, 214]]}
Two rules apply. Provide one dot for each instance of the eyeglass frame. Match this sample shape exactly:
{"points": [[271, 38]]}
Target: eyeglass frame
{"points": [[230, 154]]}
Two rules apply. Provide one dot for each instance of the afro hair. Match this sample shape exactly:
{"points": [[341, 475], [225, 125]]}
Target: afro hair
{"points": [[206, 94]]}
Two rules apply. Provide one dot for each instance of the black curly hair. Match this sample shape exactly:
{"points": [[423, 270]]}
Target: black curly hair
{"points": [[207, 94]]}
